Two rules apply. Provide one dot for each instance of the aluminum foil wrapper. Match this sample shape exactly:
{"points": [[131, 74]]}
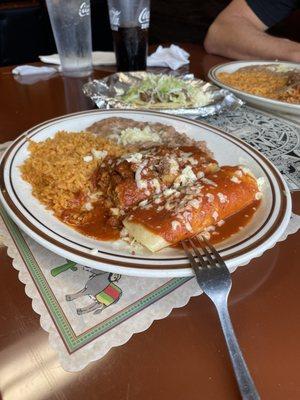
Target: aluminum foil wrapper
{"points": [[106, 94]]}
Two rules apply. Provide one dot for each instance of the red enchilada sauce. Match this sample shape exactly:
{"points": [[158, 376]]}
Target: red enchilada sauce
{"points": [[234, 223], [97, 225]]}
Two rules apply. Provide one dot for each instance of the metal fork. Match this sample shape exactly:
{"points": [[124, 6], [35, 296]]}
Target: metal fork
{"points": [[214, 279]]}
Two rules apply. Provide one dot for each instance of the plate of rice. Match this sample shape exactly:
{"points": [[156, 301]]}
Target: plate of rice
{"points": [[273, 85]]}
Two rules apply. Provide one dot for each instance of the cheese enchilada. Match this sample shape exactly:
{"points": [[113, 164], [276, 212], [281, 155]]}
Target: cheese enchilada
{"points": [[190, 210]]}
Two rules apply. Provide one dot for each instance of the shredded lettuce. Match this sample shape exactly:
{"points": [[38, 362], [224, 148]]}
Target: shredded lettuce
{"points": [[165, 90]]}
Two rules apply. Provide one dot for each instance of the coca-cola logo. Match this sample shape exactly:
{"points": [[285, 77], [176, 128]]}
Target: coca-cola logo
{"points": [[144, 17], [84, 9], [114, 16]]}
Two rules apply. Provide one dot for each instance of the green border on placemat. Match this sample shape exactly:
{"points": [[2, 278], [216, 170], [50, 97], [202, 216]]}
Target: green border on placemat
{"points": [[71, 340]]}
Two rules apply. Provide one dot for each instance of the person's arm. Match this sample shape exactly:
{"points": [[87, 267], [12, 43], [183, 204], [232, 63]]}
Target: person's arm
{"points": [[238, 33]]}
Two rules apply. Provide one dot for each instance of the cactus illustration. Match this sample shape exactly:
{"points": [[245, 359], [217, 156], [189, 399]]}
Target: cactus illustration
{"points": [[65, 267]]}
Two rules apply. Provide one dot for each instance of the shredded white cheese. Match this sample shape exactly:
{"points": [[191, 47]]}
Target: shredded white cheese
{"points": [[155, 183], [175, 224], [168, 192], [185, 155], [187, 176], [87, 159], [260, 183], [210, 228], [215, 215], [238, 173], [174, 166], [99, 154], [195, 203], [246, 170], [96, 195], [235, 179], [115, 211], [187, 215], [210, 197], [169, 206], [88, 206], [258, 195], [143, 203], [124, 233], [134, 158], [193, 161], [209, 182], [222, 197], [188, 226], [141, 183]]}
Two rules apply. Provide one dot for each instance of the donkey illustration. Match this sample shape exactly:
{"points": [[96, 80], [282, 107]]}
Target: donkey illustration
{"points": [[101, 288]]}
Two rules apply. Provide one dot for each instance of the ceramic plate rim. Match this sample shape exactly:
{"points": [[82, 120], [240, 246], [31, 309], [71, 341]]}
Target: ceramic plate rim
{"points": [[14, 212]]}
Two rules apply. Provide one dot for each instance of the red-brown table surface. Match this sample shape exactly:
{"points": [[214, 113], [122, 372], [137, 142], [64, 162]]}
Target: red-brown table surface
{"points": [[180, 357]]}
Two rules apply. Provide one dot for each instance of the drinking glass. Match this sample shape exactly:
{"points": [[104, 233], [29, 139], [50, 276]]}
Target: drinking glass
{"points": [[71, 25], [129, 21]]}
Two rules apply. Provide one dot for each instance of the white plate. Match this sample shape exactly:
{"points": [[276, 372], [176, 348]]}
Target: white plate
{"points": [[258, 101], [267, 225]]}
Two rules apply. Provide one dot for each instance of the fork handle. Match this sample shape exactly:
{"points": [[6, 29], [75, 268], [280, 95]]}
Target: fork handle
{"points": [[245, 382]]}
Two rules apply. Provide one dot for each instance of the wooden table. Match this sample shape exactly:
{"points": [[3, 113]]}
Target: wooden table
{"points": [[180, 357]]}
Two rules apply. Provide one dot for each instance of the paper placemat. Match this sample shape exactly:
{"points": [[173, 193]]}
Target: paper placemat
{"points": [[119, 306], [86, 311]]}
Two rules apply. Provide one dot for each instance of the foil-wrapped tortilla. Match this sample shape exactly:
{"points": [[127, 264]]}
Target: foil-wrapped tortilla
{"points": [[109, 93]]}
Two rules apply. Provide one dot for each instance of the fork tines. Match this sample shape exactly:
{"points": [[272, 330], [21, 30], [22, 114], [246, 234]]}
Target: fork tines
{"points": [[210, 258]]}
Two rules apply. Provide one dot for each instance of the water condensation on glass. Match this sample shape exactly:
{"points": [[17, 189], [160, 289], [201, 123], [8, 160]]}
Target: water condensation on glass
{"points": [[105, 93], [71, 25]]}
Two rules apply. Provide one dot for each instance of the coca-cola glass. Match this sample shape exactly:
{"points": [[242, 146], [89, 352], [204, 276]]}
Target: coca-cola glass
{"points": [[129, 21], [71, 25]]}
